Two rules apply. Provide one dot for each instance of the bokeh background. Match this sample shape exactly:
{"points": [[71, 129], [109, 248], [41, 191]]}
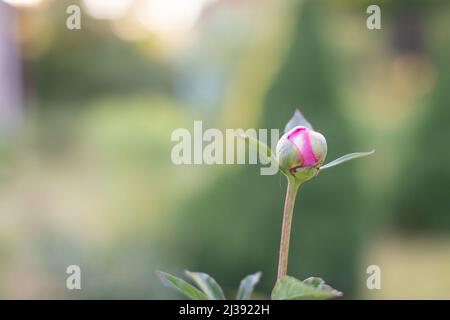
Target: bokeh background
{"points": [[85, 123]]}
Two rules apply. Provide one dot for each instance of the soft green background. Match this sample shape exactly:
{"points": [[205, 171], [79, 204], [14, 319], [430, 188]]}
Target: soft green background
{"points": [[86, 177]]}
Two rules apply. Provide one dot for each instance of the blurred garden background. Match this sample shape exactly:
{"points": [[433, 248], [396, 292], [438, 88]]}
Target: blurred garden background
{"points": [[86, 117]]}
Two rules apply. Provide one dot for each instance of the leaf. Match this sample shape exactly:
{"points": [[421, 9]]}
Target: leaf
{"points": [[345, 158], [247, 285], [297, 120], [182, 286], [320, 284], [207, 284], [262, 147], [289, 288]]}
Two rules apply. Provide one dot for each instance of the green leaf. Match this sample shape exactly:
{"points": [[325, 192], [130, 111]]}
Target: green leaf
{"points": [[346, 158], [247, 285], [262, 148], [297, 120], [207, 284], [182, 286], [289, 288]]}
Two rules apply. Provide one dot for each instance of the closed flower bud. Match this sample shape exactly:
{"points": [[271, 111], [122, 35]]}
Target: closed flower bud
{"points": [[300, 152]]}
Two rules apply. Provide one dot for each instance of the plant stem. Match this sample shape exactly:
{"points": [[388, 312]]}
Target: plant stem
{"points": [[289, 202]]}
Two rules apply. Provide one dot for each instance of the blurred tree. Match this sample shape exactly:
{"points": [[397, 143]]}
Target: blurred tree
{"points": [[423, 201], [10, 73]]}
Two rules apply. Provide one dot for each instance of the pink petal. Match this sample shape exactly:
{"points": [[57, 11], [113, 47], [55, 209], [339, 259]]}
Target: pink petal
{"points": [[300, 137]]}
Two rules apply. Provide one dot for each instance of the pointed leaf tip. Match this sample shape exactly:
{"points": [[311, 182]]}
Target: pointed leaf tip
{"points": [[346, 158], [207, 284], [181, 286], [297, 120], [248, 285]]}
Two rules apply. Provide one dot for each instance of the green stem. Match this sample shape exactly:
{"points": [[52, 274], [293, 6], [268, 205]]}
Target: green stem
{"points": [[289, 202]]}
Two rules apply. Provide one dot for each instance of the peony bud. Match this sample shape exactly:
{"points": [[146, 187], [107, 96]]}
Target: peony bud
{"points": [[300, 152]]}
